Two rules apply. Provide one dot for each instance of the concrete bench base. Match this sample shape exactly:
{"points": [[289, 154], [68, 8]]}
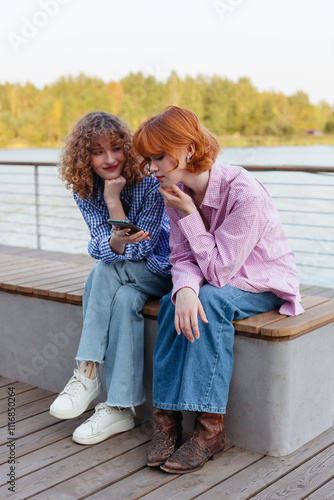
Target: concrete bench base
{"points": [[281, 393], [38, 340]]}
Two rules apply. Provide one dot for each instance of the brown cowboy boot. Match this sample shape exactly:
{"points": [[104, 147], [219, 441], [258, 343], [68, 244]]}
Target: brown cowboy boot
{"points": [[207, 442], [167, 435]]}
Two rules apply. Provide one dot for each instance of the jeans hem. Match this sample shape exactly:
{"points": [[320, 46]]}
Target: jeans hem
{"points": [[190, 407], [128, 405], [92, 360]]}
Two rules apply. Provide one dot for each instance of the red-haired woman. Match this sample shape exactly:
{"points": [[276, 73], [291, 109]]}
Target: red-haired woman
{"points": [[230, 260], [101, 167]]}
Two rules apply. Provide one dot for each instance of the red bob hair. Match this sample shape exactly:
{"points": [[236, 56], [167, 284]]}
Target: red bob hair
{"points": [[174, 129]]}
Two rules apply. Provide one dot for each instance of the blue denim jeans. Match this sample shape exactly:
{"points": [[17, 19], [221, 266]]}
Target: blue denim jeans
{"points": [[113, 326], [196, 376]]}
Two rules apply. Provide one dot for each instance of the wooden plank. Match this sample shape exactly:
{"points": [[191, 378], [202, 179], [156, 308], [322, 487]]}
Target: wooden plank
{"points": [[151, 309], [10, 251], [326, 292], [312, 318], [7, 260], [31, 425], [304, 480], [61, 292], [268, 470], [28, 397], [20, 262], [75, 295], [20, 270], [71, 282], [28, 410], [5, 257], [15, 266], [148, 480], [255, 324], [43, 457], [18, 388], [45, 436], [51, 280], [6, 381], [55, 294], [326, 492], [136, 484], [100, 477], [317, 290], [155, 486], [55, 272], [28, 271], [86, 460], [65, 286], [22, 281]]}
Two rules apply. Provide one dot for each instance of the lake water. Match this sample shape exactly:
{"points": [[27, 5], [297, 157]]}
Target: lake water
{"points": [[261, 155], [304, 200]]}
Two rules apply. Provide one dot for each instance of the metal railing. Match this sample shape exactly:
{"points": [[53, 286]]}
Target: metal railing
{"points": [[37, 211]]}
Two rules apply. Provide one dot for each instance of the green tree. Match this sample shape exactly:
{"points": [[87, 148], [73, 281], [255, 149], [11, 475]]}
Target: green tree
{"points": [[28, 128], [7, 128]]}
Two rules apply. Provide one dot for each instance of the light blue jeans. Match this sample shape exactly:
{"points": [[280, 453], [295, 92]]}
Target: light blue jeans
{"points": [[196, 376], [113, 326]]}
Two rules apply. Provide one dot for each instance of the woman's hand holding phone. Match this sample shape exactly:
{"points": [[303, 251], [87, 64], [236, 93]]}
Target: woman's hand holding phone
{"points": [[124, 235]]}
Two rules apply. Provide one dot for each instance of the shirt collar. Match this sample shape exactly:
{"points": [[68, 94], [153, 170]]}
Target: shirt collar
{"points": [[211, 197]]}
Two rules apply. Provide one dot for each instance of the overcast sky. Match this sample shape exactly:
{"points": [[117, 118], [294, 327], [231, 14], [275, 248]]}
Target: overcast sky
{"points": [[281, 45]]}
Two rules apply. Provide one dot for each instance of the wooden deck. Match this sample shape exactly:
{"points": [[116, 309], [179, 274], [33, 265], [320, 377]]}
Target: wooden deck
{"points": [[49, 465]]}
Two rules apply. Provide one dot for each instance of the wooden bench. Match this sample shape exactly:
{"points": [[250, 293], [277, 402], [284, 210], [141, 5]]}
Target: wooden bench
{"points": [[282, 389]]}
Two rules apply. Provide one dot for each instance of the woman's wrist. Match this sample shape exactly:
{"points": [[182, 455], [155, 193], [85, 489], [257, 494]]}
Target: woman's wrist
{"points": [[115, 245], [116, 211], [190, 210]]}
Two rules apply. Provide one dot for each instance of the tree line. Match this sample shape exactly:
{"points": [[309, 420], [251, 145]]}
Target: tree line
{"points": [[43, 117]]}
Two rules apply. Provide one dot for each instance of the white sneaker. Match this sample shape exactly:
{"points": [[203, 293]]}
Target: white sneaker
{"points": [[105, 422], [76, 396]]}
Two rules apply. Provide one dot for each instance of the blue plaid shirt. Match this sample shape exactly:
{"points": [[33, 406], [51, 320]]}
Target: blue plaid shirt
{"points": [[147, 211]]}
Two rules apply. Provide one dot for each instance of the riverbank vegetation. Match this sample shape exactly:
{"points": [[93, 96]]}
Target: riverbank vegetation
{"points": [[236, 112]]}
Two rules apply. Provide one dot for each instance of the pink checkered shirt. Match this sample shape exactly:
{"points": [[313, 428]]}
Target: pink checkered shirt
{"points": [[245, 246]]}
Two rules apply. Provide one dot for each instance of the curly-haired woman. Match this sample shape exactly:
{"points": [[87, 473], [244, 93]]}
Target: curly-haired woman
{"points": [[100, 166]]}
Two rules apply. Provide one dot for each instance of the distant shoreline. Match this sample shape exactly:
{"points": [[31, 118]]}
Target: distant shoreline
{"points": [[234, 141]]}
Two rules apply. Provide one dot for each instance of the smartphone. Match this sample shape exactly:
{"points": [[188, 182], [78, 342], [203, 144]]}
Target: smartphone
{"points": [[122, 224]]}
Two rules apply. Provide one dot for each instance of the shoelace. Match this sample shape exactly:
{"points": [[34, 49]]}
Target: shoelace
{"points": [[100, 410], [74, 384]]}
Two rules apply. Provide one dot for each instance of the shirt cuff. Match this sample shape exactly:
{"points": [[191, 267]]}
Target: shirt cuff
{"points": [[192, 225], [185, 283], [108, 256]]}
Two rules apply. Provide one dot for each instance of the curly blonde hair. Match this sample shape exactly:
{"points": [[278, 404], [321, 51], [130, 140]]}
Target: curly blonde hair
{"points": [[75, 160]]}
